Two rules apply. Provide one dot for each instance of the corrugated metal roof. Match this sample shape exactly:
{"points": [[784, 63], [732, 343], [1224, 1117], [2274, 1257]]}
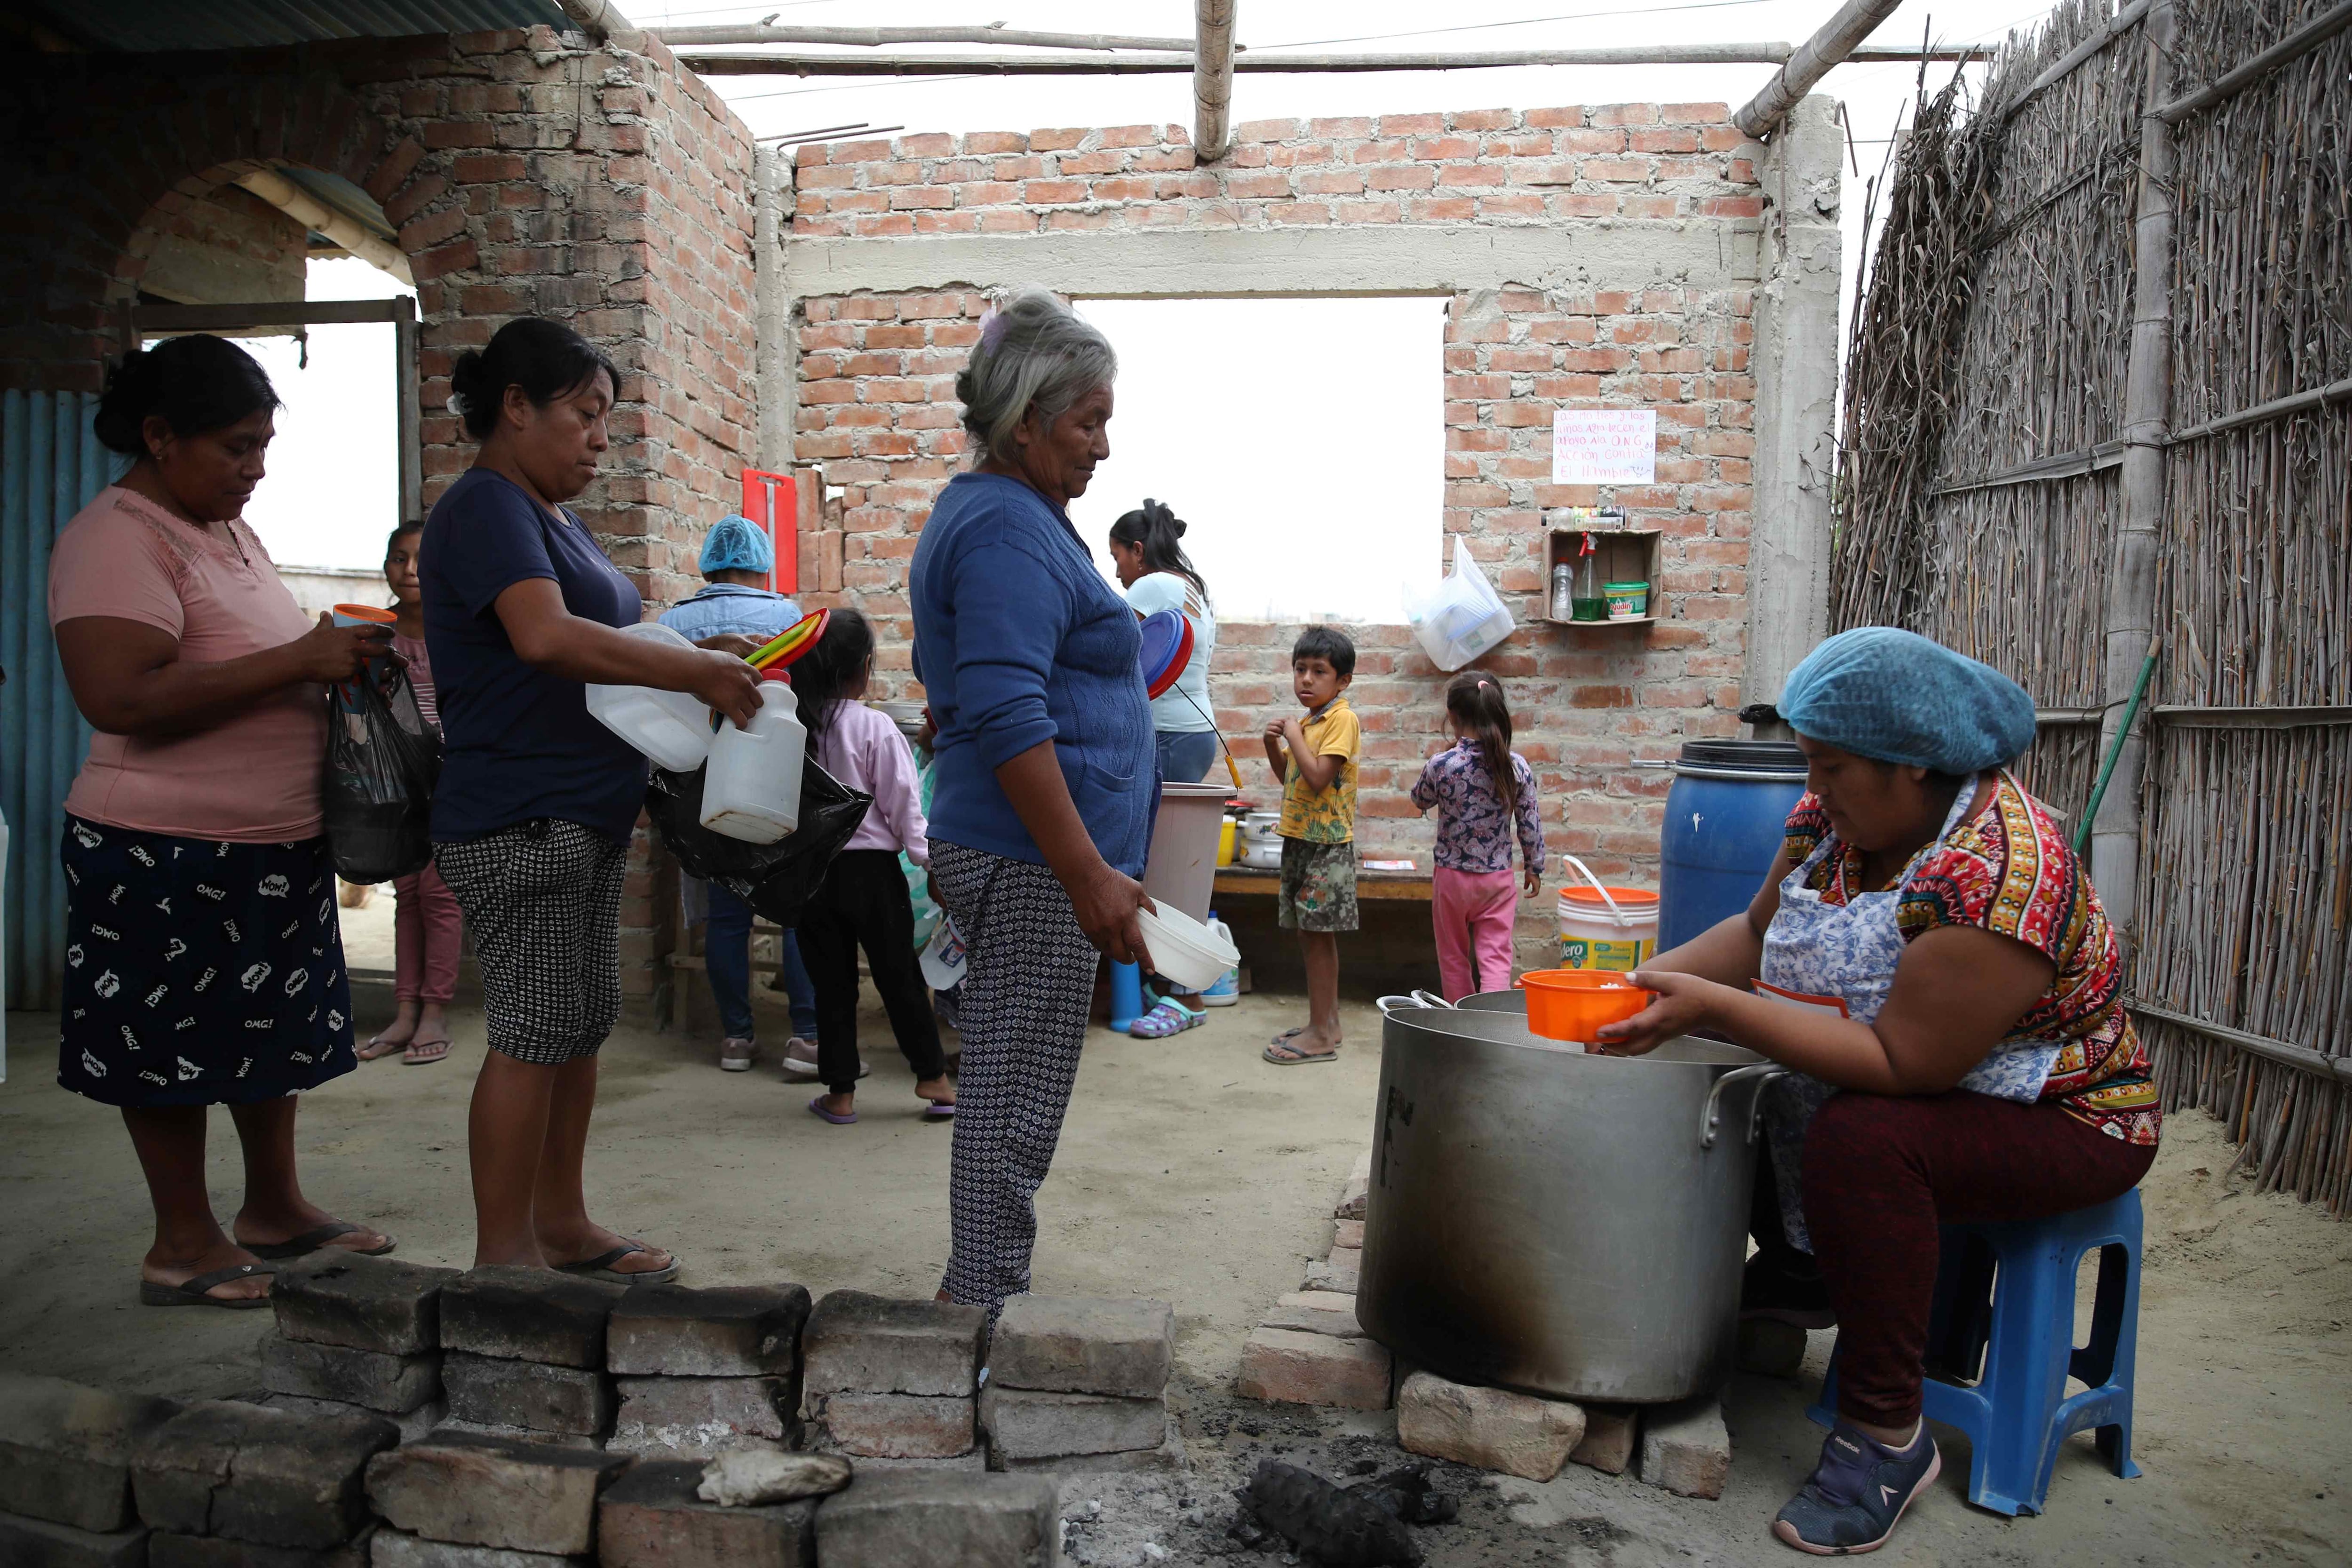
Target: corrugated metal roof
{"points": [[155, 25], [344, 196]]}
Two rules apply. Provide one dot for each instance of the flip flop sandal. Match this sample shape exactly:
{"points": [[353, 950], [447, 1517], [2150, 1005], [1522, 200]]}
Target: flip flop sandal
{"points": [[311, 1241], [379, 1047], [600, 1267], [191, 1292], [816, 1107], [1166, 1017], [1297, 1059], [938, 1110], [410, 1058]]}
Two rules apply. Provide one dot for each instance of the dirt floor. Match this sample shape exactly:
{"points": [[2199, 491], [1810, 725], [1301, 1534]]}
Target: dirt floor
{"points": [[1192, 1172]]}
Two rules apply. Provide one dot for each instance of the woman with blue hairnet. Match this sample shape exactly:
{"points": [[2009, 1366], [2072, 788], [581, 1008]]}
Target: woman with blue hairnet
{"points": [[1929, 961], [738, 563]]}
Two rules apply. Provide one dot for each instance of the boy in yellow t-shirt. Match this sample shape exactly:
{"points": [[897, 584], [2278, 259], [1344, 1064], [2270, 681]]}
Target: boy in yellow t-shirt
{"points": [[1315, 758]]}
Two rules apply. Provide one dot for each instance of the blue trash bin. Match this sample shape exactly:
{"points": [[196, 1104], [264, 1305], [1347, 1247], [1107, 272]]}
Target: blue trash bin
{"points": [[1724, 819]]}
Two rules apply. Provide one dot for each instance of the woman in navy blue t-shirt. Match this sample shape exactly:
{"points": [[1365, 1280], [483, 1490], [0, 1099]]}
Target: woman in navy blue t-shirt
{"points": [[537, 800]]}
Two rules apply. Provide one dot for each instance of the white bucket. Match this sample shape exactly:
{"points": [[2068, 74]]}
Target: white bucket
{"points": [[673, 728], [1606, 927]]}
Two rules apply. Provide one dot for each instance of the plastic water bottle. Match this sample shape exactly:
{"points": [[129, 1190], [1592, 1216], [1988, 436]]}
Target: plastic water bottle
{"points": [[1228, 987], [752, 789]]}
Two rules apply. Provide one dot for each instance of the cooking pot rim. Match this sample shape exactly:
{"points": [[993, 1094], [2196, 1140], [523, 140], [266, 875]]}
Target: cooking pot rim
{"points": [[1431, 1021]]}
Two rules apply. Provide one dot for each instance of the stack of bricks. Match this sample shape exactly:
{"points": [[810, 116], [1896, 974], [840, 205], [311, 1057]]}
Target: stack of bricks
{"points": [[1076, 1384], [456, 1501], [1309, 1350], [357, 1336], [893, 1382], [701, 1372], [223, 1484], [524, 1356], [65, 1472]]}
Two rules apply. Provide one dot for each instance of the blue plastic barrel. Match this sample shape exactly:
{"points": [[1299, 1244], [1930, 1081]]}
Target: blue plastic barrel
{"points": [[1724, 817]]}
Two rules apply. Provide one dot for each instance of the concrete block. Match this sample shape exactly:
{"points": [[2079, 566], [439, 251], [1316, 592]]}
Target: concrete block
{"points": [[1686, 1448], [1167, 1454], [1337, 1273], [1080, 1344], [672, 1330], [892, 1425], [337, 1298], [393, 1549], [651, 1518], [529, 1314], [921, 1520], [701, 1417], [65, 1450], [1319, 1301], [273, 1476], [40, 1543], [1487, 1428], [1024, 1424], [412, 1425], [1283, 1365], [530, 1395], [872, 1344], [1359, 1183], [373, 1380], [1610, 1435], [523, 1497], [168, 1550]]}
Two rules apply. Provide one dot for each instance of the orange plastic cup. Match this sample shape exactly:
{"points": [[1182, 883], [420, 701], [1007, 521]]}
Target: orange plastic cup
{"points": [[363, 615], [1573, 1003]]}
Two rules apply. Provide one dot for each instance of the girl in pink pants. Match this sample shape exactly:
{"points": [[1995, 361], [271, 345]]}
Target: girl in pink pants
{"points": [[1485, 793]]}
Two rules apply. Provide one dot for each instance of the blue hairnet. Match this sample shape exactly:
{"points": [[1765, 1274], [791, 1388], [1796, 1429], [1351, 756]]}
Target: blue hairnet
{"points": [[1897, 697], [737, 544]]}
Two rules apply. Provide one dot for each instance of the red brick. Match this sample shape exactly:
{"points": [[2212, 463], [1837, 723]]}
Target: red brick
{"points": [[1283, 1365]]}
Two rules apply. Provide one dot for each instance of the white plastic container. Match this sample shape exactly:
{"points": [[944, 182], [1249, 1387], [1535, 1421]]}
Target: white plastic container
{"points": [[1261, 844], [673, 728], [1227, 990], [1603, 927], [1187, 952], [752, 788]]}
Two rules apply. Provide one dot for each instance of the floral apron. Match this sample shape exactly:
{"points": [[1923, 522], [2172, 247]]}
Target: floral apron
{"points": [[1841, 958]]}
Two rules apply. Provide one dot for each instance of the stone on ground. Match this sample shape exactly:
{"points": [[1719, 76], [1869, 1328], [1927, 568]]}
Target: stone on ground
{"points": [[65, 1450], [1487, 1428], [40, 1544], [1315, 1312], [1026, 1424], [1611, 1434], [337, 1298], [652, 1517], [272, 1476], [730, 1330], [874, 1344], [1348, 1233], [696, 1417], [1337, 1273], [749, 1478], [1077, 1344], [168, 1551], [524, 1497], [493, 1392], [1685, 1447], [891, 1425], [393, 1549], [1770, 1348], [373, 1380], [529, 1314], [908, 1518], [1285, 1366], [1359, 1183]]}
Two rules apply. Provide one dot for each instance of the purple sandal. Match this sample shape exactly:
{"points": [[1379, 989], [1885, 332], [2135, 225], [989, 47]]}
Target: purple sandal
{"points": [[1168, 1016], [816, 1107]]}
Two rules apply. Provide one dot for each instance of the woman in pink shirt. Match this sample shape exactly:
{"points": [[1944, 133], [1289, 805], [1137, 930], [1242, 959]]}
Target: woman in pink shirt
{"points": [[863, 901], [204, 964]]}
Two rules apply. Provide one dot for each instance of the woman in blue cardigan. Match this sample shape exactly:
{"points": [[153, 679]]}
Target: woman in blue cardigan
{"points": [[1044, 779]]}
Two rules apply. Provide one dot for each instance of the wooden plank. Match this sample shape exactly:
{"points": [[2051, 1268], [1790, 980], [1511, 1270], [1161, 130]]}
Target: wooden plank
{"points": [[1247, 64], [1377, 886], [157, 320]]}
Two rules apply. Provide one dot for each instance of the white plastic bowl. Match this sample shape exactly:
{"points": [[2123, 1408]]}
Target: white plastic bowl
{"points": [[1185, 951]]}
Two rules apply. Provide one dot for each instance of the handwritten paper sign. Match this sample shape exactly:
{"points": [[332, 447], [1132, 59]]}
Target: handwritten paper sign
{"points": [[1604, 446]]}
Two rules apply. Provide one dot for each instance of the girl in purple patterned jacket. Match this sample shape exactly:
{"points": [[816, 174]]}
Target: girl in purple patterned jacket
{"points": [[1484, 792]]}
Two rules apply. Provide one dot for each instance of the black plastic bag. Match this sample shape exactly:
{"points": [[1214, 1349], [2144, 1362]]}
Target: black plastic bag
{"points": [[777, 879], [382, 761]]}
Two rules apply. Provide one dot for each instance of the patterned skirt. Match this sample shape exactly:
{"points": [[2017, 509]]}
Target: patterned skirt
{"points": [[197, 972]]}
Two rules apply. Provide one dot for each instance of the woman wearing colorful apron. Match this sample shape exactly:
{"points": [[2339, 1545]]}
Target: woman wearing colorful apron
{"points": [[1931, 961]]}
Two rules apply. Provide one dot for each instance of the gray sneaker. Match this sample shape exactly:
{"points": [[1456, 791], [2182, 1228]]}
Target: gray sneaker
{"points": [[1857, 1494], [800, 1060], [735, 1054]]}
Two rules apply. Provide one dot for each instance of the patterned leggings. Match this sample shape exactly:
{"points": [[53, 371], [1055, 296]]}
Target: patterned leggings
{"points": [[543, 900], [1028, 990]]}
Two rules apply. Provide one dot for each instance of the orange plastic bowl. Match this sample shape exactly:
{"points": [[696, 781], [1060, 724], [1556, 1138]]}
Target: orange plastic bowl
{"points": [[1573, 1003]]}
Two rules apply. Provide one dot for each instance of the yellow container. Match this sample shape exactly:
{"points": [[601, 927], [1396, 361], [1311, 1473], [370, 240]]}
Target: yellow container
{"points": [[1226, 834]]}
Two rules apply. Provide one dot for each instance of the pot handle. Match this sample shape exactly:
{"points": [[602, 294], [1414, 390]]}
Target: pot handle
{"points": [[1711, 1113], [1388, 1004]]}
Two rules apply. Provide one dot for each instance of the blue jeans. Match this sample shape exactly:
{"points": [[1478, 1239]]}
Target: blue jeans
{"points": [[1185, 754], [726, 957]]}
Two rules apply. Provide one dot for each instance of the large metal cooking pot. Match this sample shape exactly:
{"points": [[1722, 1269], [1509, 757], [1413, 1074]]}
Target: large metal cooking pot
{"points": [[1542, 1219]]}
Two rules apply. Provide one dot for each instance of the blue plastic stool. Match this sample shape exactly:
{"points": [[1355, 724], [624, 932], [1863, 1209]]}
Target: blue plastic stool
{"points": [[1126, 995], [2005, 1303]]}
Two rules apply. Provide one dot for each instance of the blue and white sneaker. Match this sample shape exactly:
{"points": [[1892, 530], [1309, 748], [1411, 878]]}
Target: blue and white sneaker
{"points": [[1858, 1492]]}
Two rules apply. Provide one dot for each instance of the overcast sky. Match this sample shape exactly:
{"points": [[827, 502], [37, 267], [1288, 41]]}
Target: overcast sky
{"points": [[1250, 475]]}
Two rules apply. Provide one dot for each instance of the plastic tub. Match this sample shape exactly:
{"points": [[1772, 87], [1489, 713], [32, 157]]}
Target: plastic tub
{"points": [[1627, 601], [1573, 1003], [1606, 928], [1181, 868], [1187, 952], [753, 790], [673, 728]]}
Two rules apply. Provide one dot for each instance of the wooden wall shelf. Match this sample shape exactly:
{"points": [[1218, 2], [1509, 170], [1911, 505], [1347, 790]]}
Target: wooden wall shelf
{"points": [[1625, 555]]}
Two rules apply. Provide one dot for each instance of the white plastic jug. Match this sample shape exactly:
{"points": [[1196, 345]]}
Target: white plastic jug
{"points": [[752, 788], [673, 728]]}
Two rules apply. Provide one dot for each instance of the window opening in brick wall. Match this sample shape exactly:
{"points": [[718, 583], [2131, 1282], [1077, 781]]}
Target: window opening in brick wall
{"points": [[1303, 441]]}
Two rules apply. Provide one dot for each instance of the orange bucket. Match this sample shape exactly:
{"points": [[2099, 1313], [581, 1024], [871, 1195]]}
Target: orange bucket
{"points": [[1573, 1003]]}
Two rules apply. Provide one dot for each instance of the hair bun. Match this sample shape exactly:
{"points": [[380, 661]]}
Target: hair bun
{"points": [[1177, 524]]}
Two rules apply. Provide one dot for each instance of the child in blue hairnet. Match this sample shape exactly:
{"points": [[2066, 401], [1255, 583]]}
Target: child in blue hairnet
{"points": [[738, 563]]}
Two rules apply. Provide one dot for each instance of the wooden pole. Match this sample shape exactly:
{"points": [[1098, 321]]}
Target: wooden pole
{"points": [[1213, 79], [877, 38], [2148, 403], [1839, 38], [600, 20], [1767, 54], [314, 214]]}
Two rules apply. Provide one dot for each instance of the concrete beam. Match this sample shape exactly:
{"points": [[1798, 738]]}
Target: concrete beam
{"points": [[775, 352], [1434, 259], [1796, 364]]}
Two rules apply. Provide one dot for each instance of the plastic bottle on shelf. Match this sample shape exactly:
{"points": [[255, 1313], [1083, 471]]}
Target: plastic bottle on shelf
{"points": [[752, 790]]}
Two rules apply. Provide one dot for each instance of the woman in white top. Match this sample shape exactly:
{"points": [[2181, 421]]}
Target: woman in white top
{"points": [[1156, 573]]}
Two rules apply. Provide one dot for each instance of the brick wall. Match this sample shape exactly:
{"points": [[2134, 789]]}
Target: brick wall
{"points": [[876, 409], [526, 172], [230, 244]]}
